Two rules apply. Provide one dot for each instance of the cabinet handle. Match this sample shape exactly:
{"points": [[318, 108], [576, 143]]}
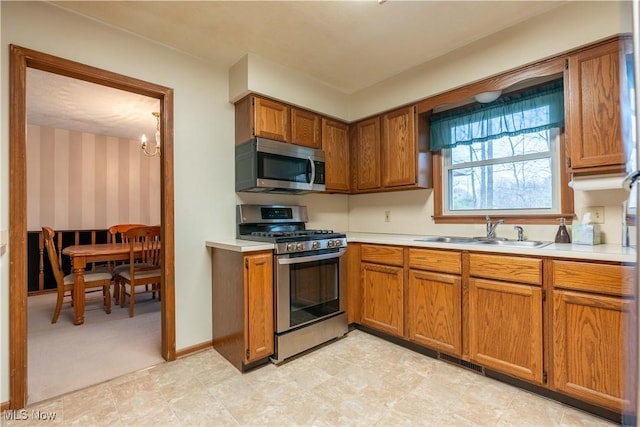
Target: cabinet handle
{"points": [[443, 278], [382, 269]]}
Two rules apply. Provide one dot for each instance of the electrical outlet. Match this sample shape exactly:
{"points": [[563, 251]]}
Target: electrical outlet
{"points": [[597, 214], [387, 216]]}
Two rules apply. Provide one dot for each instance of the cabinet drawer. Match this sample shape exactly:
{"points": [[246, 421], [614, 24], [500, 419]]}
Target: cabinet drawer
{"points": [[426, 259], [390, 255], [593, 277], [512, 269]]}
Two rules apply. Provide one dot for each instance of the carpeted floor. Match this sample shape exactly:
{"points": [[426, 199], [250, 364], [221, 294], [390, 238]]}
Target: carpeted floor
{"points": [[63, 357]]}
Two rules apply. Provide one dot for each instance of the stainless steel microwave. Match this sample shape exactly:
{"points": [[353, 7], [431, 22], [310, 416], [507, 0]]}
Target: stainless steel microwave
{"points": [[265, 165]]}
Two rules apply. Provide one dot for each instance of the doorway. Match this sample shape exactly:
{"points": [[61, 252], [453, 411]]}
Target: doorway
{"points": [[21, 59]]}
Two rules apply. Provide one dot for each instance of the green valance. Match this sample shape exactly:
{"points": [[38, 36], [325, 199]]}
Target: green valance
{"points": [[531, 110]]}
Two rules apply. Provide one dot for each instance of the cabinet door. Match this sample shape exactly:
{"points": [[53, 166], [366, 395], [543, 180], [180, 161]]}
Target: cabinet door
{"points": [[367, 154], [589, 342], [505, 327], [305, 128], [399, 148], [382, 297], [594, 119], [271, 119], [258, 282], [335, 143], [434, 310]]}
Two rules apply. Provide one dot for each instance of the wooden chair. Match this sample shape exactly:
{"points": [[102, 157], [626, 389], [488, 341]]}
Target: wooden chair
{"points": [[118, 234], [65, 283], [144, 265]]}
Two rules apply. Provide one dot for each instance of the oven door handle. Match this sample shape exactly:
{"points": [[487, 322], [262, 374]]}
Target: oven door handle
{"points": [[297, 260]]}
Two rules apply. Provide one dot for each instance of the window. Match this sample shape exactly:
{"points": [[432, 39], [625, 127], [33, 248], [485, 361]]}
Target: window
{"points": [[503, 174], [502, 157]]}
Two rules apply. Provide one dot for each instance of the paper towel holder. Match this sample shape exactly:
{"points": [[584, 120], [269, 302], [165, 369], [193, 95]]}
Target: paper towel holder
{"points": [[602, 182]]}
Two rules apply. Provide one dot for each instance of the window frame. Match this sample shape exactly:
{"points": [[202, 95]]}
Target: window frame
{"points": [[549, 67], [554, 156]]}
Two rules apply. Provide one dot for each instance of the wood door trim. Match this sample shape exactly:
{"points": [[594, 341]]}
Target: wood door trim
{"points": [[20, 59]]}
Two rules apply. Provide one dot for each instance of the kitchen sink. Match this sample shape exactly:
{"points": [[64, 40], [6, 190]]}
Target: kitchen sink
{"points": [[447, 239], [485, 241], [515, 243]]}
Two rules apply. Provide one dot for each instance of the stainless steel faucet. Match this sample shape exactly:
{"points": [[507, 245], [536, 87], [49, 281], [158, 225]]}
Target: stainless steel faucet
{"points": [[491, 227], [520, 231]]}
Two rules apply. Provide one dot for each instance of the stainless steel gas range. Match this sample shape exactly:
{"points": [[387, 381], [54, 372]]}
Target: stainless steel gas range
{"points": [[309, 276]]}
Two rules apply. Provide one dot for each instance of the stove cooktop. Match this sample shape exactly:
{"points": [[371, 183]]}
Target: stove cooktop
{"points": [[291, 236], [285, 226]]}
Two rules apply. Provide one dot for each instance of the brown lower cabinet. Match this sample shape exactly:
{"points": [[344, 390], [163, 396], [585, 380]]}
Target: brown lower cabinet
{"points": [[382, 276], [433, 310], [434, 296], [505, 327], [242, 306], [491, 310], [505, 314], [593, 324], [382, 297]]}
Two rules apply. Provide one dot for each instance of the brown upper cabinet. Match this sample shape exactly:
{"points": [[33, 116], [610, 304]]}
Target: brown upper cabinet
{"points": [[399, 136], [335, 143], [365, 140], [389, 153], [305, 128], [593, 118], [257, 116]]}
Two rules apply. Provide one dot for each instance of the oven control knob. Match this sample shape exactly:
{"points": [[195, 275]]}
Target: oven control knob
{"points": [[337, 243], [330, 243], [299, 246], [315, 245], [291, 247]]}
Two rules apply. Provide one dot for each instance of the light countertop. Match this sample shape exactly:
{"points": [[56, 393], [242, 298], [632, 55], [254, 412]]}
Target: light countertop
{"points": [[237, 245], [604, 252], [557, 250]]}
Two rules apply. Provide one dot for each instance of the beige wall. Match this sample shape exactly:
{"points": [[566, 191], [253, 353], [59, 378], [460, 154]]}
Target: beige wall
{"points": [[82, 181], [203, 131], [562, 29], [572, 25], [575, 24], [203, 146]]}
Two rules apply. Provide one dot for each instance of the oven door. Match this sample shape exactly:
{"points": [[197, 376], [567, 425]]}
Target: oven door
{"points": [[309, 287]]}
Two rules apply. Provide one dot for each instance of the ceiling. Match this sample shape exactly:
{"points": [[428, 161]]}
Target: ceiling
{"points": [[348, 45], [65, 103]]}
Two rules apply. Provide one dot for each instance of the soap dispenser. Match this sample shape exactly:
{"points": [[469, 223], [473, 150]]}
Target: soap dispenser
{"points": [[562, 236]]}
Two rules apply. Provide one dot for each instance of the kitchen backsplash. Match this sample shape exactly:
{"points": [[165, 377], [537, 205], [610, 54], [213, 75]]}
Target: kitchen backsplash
{"points": [[410, 213]]}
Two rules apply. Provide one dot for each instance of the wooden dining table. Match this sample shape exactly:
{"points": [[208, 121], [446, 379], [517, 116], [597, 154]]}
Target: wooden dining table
{"points": [[81, 255]]}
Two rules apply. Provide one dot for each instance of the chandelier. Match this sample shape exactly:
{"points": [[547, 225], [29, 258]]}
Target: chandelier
{"points": [[155, 150]]}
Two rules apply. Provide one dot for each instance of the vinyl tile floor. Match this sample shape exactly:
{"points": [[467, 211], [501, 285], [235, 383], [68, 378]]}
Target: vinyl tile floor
{"points": [[359, 380]]}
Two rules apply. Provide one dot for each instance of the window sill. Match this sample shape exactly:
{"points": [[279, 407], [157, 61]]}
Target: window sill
{"points": [[508, 219]]}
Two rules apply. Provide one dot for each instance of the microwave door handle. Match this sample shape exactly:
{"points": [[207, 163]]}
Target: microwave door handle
{"points": [[313, 173]]}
